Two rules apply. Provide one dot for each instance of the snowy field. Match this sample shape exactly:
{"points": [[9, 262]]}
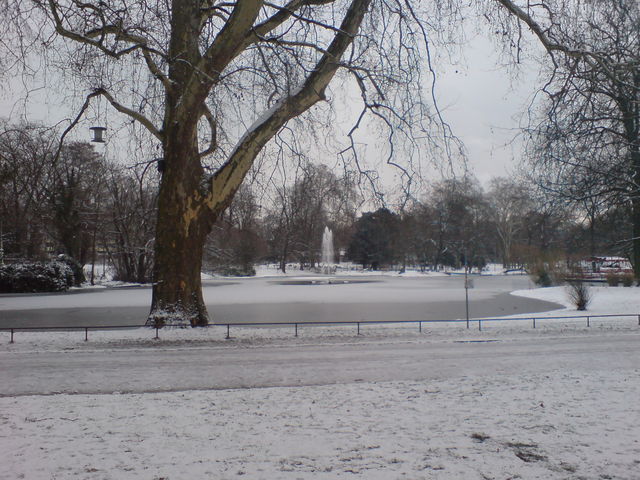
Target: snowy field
{"points": [[555, 423]]}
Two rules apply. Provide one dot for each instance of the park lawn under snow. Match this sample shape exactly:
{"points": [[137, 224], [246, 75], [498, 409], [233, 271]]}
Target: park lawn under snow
{"points": [[559, 424]]}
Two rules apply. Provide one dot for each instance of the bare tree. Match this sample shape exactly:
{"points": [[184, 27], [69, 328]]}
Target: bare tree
{"points": [[461, 214], [75, 193], [317, 198], [25, 178], [235, 244], [587, 148], [421, 229], [509, 202], [48, 202], [193, 72], [130, 214]]}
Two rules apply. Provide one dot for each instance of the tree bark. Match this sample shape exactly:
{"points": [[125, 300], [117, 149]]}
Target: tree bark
{"points": [[181, 232]]}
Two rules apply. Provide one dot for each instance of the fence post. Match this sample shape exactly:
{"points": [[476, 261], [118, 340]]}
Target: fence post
{"points": [[588, 321], [227, 337], [157, 337], [358, 328], [479, 325], [420, 327], [86, 334], [296, 329], [534, 322], [11, 336]]}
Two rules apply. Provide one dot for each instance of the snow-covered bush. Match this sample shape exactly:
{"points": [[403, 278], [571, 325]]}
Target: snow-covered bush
{"points": [[76, 269], [29, 277]]}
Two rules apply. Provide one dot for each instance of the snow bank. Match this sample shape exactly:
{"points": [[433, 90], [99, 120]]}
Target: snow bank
{"points": [[605, 299]]}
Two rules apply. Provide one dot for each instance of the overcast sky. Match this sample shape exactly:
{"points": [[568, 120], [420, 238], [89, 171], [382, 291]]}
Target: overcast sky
{"points": [[482, 102]]}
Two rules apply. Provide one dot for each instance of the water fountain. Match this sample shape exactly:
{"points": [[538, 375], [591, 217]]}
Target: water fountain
{"points": [[328, 257], [326, 265]]}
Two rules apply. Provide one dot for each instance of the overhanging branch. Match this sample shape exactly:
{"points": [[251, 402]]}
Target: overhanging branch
{"points": [[137, 116], [229, 176], [88, 38]]}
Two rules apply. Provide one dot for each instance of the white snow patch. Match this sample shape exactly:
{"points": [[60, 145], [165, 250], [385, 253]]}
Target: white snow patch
{"points": [[604, 300]]}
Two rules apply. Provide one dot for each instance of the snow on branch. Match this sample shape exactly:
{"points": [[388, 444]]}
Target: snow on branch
{"points": [[229, 176]]}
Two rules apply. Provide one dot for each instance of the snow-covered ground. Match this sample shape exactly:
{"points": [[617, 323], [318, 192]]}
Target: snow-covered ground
{"points": [[560, 423], [553, 425]]}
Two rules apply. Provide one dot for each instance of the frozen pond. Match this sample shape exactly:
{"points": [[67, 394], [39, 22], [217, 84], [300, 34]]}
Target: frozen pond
{"points": [[288, 299]]}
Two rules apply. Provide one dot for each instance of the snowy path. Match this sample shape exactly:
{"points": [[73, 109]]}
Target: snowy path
{"points": [[152, 369]]}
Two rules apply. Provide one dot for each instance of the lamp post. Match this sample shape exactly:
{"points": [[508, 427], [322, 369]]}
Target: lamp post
{"points": [[466, 286], [98, 137]]}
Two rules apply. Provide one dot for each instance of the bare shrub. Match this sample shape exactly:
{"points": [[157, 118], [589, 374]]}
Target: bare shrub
{"points": [[627, 279], [613, 279], [580, 294]]}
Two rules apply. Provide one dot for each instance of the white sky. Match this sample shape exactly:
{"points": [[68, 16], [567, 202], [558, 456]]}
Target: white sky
{"points": [[482, 102]]}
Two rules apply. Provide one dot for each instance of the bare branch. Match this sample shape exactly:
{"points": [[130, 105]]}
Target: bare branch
{"points": [[139, 117], [229, 177], [72, 125], [88, 38], [283, 14], [213, 143]]}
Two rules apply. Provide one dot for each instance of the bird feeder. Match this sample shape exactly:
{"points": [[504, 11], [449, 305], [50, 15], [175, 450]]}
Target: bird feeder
{"points": [[97, 134]]}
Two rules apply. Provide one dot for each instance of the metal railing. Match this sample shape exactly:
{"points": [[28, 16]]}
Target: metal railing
{"points": [[358, 323]]}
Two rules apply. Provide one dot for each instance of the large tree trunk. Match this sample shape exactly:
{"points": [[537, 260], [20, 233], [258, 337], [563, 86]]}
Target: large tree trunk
{"points": [[182, 228], [183, 220], [180, 237]]}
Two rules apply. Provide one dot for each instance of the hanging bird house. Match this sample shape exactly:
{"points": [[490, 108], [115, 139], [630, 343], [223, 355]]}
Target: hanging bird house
{"points": [[98, 134]]}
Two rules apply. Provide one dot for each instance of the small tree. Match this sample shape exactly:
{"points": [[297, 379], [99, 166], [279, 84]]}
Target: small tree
{"points": [[131, 213], [235, 243]]}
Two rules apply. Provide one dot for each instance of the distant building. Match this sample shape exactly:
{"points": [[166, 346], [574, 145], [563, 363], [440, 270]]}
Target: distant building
{"points": [[597, 268]]}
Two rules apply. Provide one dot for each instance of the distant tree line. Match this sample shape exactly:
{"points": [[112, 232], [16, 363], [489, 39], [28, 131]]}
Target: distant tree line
{"points": [[74, 203], [79, 204], [457, 223]]}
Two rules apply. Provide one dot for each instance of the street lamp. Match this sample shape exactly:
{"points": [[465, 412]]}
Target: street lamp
{"points": [[97, 138], [97, 134]]}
